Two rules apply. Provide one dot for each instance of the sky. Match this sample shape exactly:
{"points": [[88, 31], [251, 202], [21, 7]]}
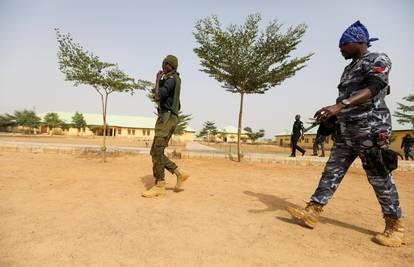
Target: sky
{"points": [[137, 35]]}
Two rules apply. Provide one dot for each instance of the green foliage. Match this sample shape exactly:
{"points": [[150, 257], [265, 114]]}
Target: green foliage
{"points": [[52, 120], [254, 135], [7, 120], [405, 113], [82, 67], [78, 121], [182, 124], [246, 60], [27, 118], [209, 130]]}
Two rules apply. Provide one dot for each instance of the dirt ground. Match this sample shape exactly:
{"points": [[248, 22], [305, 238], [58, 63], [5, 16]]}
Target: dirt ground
{"points": [[84, 140], [67, 210], [251, 148]]}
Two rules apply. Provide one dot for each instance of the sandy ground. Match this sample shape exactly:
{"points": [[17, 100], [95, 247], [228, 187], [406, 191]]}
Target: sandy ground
{"points": [[253, 148], [64, 210], [84, 140]]}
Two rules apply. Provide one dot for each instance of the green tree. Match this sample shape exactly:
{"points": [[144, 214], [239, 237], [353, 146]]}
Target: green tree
{"points": [[52, 121], [78, 121], [405, 113], [7, 120], [82, 67], [254, 135], [209, 130], [27, 119], [245, 60], [182, 124]]}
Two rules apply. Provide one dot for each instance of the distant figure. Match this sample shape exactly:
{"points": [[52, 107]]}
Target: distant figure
{"points": [[297, 132], [325, 129], [320, 141], [407, 143]]}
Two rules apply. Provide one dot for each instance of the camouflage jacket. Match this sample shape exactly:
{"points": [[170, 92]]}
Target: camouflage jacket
{"points": [[355, 77]]}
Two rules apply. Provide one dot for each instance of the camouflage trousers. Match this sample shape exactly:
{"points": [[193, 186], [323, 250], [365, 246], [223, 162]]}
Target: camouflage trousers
{"points": [[164, 128], [353, 139]]}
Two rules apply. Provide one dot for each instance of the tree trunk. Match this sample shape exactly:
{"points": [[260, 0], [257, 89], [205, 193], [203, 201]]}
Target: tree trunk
{"points": [[239, 127], [104, 105]]}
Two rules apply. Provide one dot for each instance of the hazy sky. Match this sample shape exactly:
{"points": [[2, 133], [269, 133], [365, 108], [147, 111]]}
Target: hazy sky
{"points": [[138, 34]]}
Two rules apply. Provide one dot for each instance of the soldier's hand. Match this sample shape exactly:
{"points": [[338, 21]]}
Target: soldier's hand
{"points": [[159, 75], [326, 112]]}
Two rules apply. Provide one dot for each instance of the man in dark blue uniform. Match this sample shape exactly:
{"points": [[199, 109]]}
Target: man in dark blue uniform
{"points": [[297, 133], [407, 144], [364, 126]]}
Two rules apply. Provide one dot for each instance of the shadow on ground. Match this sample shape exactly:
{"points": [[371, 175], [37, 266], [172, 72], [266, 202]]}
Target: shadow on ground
{"points": [[148, 182], [275, 203]]}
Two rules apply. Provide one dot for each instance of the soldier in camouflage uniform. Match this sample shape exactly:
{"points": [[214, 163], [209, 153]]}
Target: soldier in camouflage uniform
{"points": [[167, 95], [362, 117]]}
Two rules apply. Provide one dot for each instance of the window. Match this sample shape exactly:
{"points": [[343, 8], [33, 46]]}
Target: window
{"points": [[306, 140], [133, 131], [119, 131], [313, 140], [146, 132], [129, 131]]}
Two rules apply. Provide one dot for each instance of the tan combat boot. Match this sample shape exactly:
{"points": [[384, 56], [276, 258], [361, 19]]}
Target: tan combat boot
{"points": [[181, 178], [157, 190], [393, 235], [309, 215]]}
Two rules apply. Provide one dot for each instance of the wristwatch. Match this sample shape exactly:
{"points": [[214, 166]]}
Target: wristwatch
{"points": [[346, 103]]}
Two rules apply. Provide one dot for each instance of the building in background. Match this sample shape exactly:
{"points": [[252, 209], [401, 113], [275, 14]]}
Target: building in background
{"points": [[141, 128]]}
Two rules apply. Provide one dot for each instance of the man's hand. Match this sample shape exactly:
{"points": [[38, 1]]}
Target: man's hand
{"points": [[325, 113], [157, 85], [159, 75]]}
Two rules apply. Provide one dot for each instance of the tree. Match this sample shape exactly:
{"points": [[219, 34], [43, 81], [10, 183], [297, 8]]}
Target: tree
{"points": [[182, 124], [52, 120], [78, 121], [406, 112], [27, 119], [82, 67], [254, 135], [246, 61], [7, 120], [209, 130]]}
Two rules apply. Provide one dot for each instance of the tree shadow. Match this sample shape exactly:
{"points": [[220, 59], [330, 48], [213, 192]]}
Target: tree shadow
{"points": [[275, 203]]}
